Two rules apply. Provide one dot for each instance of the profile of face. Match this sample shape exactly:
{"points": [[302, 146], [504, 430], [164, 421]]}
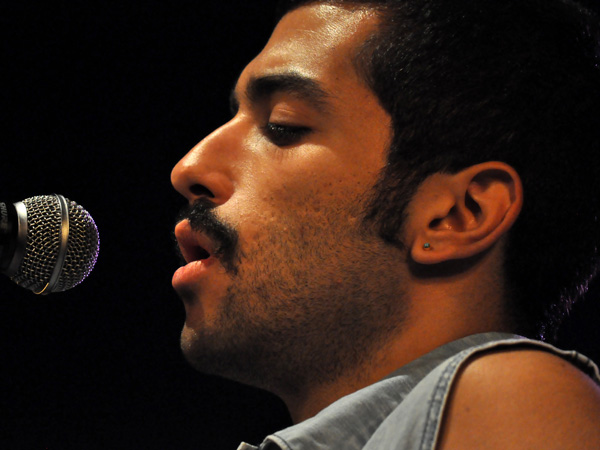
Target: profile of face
{"points": [[284, 283]]}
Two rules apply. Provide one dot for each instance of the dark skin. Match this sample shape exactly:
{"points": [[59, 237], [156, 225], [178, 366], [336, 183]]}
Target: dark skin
{"points": [[301, 94]]}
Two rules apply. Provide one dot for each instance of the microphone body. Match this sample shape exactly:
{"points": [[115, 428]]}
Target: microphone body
{"points": [[47, 243]]}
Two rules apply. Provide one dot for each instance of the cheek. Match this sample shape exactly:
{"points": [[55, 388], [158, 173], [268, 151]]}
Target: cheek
{"points": [[311, 191], [297, 192], [299, 221]]}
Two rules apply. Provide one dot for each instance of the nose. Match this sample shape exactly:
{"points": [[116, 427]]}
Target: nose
{"points": [[206, 170]]}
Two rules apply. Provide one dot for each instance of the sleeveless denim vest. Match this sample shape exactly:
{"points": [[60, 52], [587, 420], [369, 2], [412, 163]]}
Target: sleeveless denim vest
{"points": [[405, 409]]}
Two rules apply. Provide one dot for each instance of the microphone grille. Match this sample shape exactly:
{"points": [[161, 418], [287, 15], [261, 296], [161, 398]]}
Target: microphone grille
{"points": [[44, 227]]}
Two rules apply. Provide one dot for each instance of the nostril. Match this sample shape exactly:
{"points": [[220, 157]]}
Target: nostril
{"points": [[201, 191]]}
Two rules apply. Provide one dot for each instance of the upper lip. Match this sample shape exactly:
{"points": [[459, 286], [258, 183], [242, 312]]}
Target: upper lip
{"points": [[193, 245]]}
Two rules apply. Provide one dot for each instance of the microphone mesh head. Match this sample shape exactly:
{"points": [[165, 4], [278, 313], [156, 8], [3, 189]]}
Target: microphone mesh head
{"points": [[43, 241]]}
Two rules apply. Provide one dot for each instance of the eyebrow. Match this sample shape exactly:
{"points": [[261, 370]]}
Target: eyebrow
{"points": [[262, 88]]}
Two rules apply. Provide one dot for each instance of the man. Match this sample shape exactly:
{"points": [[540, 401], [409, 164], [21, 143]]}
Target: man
{"points": [[403, 186]]}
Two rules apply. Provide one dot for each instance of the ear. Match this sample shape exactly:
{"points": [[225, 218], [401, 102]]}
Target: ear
{"points": [[456, 216]]}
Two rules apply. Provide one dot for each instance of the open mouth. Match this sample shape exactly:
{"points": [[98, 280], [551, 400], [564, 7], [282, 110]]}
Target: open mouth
{"points": [[192, 246], [200, 254], [193, 252]]}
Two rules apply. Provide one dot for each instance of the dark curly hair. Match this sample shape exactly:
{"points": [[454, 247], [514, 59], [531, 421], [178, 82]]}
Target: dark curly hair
{"points": [[468, 81]]}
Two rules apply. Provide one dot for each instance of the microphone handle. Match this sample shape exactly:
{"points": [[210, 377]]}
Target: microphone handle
{"points": [[8, 234], [13, 237]]}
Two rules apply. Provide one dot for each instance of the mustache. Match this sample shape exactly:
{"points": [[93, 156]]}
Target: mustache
{"points": [[203, 219]]}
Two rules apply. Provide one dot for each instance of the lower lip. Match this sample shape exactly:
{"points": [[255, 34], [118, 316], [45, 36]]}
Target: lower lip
{"points": [[191, 272]]}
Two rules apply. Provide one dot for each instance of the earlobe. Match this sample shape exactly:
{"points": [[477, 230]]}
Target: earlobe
{"points": [[457, 216]]}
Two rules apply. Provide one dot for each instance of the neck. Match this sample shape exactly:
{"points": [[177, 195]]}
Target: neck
{"points": [[434, 320], [440, 309], [414, 343]]}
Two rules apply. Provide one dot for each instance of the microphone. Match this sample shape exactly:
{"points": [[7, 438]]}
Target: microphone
{"points": [[47, 243]]}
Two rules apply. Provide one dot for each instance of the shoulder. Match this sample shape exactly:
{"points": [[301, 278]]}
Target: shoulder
{"points": [[522, 398]]}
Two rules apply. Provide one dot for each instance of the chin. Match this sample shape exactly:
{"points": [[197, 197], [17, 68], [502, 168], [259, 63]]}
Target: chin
{"points": [[188, 336]]}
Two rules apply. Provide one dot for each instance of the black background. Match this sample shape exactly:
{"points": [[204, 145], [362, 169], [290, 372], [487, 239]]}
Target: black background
{"points": [[99, 101]]}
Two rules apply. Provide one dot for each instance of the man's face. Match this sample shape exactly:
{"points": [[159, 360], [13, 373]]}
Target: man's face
{"points": [[303, 289]]}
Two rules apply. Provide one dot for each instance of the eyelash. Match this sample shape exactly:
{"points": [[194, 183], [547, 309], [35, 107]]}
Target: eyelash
{"points": [[284, 135]]}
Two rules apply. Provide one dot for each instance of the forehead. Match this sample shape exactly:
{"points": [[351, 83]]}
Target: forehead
{"points": [[315, 41]]}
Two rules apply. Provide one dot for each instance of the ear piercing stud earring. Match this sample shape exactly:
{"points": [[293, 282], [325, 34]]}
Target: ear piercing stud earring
{"points": [[427, 246]]}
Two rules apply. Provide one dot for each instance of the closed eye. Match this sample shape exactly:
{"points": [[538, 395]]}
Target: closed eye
{"points": [[284, 135]]}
